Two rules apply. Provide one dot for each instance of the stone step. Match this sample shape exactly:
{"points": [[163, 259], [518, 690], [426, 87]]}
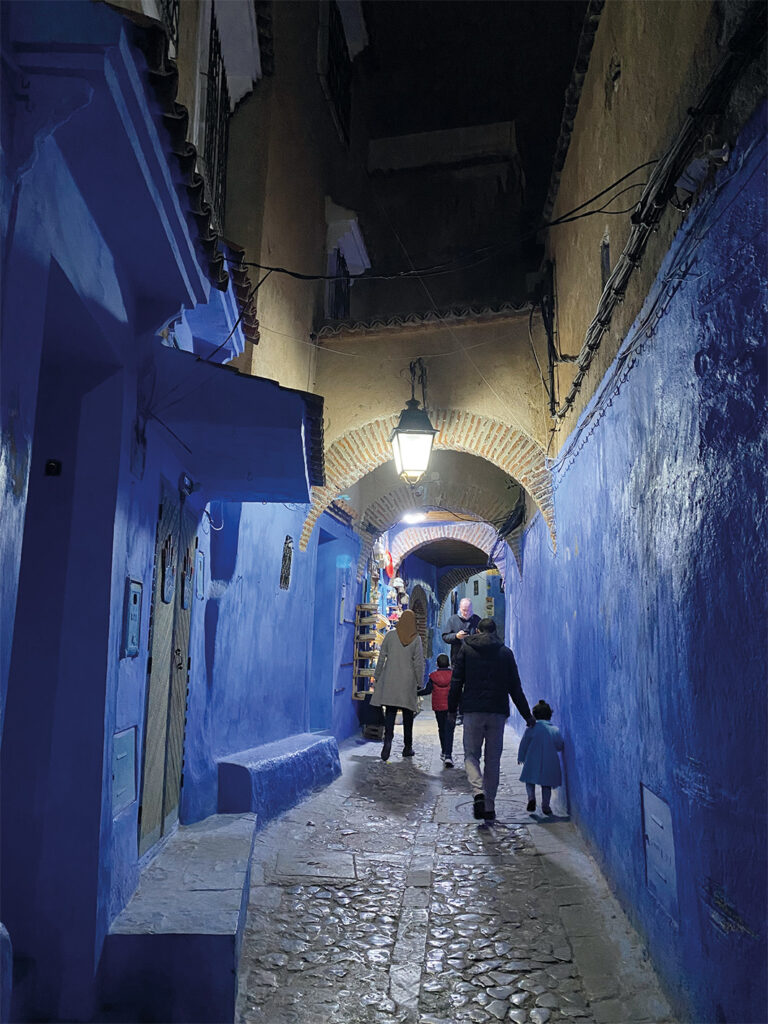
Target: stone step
{"points": [[173, 953]]}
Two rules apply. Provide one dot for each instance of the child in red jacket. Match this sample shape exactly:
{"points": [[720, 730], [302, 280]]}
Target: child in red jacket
{"points": [[439, 684]]}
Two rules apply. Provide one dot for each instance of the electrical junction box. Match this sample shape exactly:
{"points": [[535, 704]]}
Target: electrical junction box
{"points": [[659, 841], [123, 770], [132, 618]]}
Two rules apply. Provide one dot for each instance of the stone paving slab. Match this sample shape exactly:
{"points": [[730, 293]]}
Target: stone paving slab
{"points": [[380, 900]]}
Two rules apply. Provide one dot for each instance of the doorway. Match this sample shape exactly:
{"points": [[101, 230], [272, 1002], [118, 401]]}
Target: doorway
{"points": [[167, 670]]}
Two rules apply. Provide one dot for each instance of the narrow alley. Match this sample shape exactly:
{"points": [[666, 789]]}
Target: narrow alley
{"points": [[354, 352], [380, 899]]}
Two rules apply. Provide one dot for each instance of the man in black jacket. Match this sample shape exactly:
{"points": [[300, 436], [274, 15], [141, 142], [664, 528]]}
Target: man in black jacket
{"points": [[484, 677]]}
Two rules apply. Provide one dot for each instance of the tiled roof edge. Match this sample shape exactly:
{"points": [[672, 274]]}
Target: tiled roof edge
{"points": [[409, 321], [152, 40]]}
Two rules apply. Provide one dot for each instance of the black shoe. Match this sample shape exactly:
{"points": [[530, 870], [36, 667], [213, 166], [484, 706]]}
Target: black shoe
{"points": [[531, 803], [408, 751], [490, 815], [546, 810], [385, 750], [479, 808], [447, 762]]}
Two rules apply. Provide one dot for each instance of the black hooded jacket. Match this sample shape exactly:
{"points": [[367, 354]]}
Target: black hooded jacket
{"points": [[485, 676]]}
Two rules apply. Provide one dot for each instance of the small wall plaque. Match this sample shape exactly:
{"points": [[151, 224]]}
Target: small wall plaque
{"points": [[123, 770], [659, 841]]}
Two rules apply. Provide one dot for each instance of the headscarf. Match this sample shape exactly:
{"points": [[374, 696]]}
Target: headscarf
{"points": [[406, 628]]}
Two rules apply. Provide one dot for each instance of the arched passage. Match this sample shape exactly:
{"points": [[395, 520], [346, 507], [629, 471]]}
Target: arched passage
{"points": [[362, 450], [481, 535]]}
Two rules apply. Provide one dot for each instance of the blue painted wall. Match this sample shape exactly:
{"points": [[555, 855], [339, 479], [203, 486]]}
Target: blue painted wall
{"points": [[270, 662], [89, 274], [646, 630], [336, 594]]}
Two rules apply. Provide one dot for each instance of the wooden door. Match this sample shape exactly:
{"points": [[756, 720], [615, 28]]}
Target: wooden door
{"points": [[167, 670], [180, 665]]}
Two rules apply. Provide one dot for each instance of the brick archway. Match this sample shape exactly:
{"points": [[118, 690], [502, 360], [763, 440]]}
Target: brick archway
{"points": [[362, 450], [480, 535]]}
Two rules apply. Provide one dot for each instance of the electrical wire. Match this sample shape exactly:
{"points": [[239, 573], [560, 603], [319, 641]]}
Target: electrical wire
{"points": [[677, 274], [533, 349], [453, 334], [458, 264], [177, 387]]}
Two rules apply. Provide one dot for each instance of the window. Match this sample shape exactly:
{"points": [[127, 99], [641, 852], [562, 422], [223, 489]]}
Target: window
{"points": [[285, 568], [216, 124], [336, 68], [476, 588]]}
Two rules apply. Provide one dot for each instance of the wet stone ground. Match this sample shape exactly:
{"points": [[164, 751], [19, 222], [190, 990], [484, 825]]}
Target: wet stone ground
{"points": [[380, 899]]}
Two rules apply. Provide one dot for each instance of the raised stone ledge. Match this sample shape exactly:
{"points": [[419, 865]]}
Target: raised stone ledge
{"points": [[172, 954], [273, 778]]}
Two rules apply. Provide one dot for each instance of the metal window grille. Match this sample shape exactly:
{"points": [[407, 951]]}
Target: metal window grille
{"points": [[216, 125], [338, 297], [285, 568], [339, 71], [169, 10]]}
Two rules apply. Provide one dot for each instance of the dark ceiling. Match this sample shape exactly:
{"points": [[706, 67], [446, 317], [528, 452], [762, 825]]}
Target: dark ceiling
{"points": [[452, 552], [453, 63]]}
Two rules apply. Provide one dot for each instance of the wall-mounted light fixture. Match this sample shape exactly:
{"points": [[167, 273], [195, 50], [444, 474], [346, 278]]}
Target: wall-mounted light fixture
{"points": [[413, 436], [413, 517]]}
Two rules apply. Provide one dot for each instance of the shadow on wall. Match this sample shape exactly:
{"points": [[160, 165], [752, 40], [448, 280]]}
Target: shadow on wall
{"points": [[224, 519]]}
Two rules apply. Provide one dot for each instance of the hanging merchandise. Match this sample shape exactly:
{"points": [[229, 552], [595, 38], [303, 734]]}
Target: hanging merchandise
{"points": [[389, 565], [398, 584], [403, 599]]}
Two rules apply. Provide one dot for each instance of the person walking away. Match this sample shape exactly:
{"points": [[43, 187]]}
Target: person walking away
{"points": [[438, 685], [399, 674], [538, 756], [484, 677], [459, 627]]}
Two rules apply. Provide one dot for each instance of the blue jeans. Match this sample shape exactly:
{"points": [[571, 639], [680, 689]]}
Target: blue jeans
{"points": [[486, 730]]}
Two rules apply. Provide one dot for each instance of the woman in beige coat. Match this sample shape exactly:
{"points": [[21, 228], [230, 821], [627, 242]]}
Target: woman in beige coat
{"points": [[399, 674]]}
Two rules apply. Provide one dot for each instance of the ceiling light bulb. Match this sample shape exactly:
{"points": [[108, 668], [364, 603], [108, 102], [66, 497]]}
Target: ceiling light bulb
{"points": [[414, 517]]}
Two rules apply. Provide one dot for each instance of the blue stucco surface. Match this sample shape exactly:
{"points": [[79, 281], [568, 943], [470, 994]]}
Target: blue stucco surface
{"points": [[273, 778], [265, 656], [97, 256], [646, 630]]}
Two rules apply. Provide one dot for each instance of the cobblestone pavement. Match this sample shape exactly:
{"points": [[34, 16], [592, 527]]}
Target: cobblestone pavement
{"points": [[380, 899]]}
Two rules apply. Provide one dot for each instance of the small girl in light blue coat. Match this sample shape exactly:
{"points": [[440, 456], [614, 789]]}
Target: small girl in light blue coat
{"points": [[538, 755]]}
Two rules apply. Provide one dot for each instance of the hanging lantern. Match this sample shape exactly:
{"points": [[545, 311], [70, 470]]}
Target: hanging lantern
{"points": [[412, 438]]}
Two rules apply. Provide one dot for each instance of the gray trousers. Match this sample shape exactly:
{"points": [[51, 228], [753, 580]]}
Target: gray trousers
{"points": [[480, 729]]}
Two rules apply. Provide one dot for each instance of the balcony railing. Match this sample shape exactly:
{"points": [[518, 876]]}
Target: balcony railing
{"points": [[169, 10], [338, 290]]}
